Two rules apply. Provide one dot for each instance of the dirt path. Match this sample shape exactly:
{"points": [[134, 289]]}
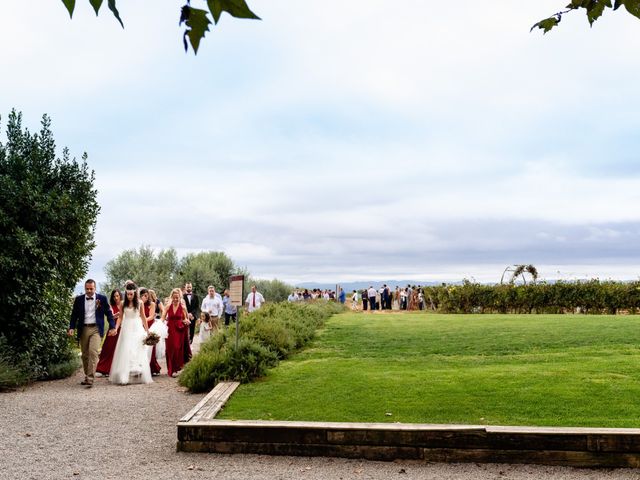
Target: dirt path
{"points": [[60, 430]]}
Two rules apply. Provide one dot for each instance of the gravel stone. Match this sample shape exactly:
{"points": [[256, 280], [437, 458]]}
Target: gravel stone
{"points": [[62, 430]]}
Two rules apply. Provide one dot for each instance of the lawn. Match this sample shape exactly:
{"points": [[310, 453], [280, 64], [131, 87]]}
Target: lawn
{"points": [[545, 370]]}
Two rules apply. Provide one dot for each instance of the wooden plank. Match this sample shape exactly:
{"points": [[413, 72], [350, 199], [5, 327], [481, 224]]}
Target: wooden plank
{"points": [[222, 388], [215, 404]]}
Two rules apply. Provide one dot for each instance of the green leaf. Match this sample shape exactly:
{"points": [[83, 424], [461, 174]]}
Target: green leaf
{"points": [[96, 4], [235, 8], [198, 24], [596, 9], [546, 24], [114, 10], [633, 7], [70, 4]]}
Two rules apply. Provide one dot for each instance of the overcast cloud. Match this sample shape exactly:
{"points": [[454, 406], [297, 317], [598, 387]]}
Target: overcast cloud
{"points": [[356, 140]]}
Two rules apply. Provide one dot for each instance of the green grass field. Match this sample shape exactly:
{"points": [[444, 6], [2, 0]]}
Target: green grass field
{"points": [[555, 370]]}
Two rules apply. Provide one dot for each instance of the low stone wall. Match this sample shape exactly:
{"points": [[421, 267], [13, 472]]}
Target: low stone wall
{"points": [[584, 447]]}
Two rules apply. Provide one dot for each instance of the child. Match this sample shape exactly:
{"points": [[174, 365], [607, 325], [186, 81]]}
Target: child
{"points": [[205, 327]]}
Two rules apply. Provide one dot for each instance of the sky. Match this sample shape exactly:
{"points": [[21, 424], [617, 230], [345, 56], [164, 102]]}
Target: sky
{"points": [[342, 141]]}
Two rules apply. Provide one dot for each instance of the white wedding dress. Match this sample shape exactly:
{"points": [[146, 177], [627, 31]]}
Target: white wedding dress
{"points": [[131, 357]]}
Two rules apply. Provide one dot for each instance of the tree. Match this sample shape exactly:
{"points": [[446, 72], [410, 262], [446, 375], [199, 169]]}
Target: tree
{"points": [[48, 213], [593, 8], [196, 20], [146, 268], [207, 268], [163, 270], [273, 290]]}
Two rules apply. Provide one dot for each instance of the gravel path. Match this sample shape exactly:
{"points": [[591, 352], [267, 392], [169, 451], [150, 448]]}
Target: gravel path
{"points": [[60, 430]]}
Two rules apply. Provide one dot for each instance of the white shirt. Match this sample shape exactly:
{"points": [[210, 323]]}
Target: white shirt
{"points": [[371, 292], [254, 298], [213, 306], [90, 310]]}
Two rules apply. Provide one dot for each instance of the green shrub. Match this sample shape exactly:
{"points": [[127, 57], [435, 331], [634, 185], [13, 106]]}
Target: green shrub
{"points": [[266, 335], [63, 369], [14, 371], [593, 296]]}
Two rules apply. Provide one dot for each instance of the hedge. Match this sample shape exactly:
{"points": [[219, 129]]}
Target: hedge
{"points": [[593, 296], [266, 336]]}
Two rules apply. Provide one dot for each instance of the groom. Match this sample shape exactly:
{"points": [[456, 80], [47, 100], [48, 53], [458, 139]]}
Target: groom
{"points": [[87, 316]]}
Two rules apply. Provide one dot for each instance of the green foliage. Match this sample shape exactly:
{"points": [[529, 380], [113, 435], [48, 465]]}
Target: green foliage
{"points": [[225, 363], [197, 25], [14, 372], [273, 290], [207, 268], [196, 20], [64, 369], [163, 270], [594, 9], [146, 267], [592, 296], [267, 335], [48, 213]]}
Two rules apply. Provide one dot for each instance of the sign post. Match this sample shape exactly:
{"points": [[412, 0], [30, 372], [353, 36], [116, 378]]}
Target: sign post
{"points": [[236, 294]]}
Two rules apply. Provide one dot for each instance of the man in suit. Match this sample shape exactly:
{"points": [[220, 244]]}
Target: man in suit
{"points": [[193, 303], [87, 319]]}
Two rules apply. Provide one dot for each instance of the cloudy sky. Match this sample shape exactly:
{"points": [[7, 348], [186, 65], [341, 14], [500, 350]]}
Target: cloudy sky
{"points": [[355, 140]]}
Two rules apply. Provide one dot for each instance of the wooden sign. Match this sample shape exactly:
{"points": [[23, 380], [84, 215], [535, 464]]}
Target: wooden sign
{"points": [[236, 290]]}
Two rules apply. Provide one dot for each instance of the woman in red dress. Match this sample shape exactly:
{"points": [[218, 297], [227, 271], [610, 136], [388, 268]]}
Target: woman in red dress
{"points": [[177, 321], [109, 345], [150, 313]]}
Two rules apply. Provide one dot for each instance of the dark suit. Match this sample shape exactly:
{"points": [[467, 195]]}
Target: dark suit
{"points": [[193, 307]]}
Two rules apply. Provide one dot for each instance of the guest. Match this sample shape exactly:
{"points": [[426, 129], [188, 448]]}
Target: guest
{"points": [[372, 297], [205, 327], [365, 300], [230, 310], [254, 300], [178, 323], [109, 345], [212, 303], [395, 304], [150, 315], [159, 306], [354, 300], [192, 302], [342, 297]]}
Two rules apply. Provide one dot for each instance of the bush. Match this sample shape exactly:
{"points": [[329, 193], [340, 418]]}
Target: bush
{"points": [[591, 296], [48, 213], [14, 372], [266, 336]]}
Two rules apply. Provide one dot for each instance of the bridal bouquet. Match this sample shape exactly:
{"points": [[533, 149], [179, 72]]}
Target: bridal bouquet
{"points": [[151, 339]]}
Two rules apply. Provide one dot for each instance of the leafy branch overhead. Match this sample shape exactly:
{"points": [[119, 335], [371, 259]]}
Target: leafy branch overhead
{"points": [[196, 20], [593, 8]]}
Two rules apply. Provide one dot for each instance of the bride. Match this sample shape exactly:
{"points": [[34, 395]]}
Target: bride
{"points": [[131, 357]]}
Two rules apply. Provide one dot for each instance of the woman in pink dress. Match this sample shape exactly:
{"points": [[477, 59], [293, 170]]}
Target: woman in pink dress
{"points": [[150, 314], [109, 345], [177, 321]]}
